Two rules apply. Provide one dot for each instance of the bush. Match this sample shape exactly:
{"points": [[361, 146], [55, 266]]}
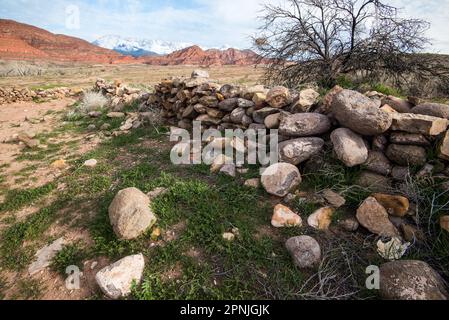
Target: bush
{"points": [[92, 101]]}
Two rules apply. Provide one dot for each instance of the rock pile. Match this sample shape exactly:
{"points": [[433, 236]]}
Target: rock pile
{"points": [[119, 95], [10, 95]]}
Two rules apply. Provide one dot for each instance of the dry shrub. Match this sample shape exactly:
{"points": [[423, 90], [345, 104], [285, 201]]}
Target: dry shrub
{"points": [[92, 101]]}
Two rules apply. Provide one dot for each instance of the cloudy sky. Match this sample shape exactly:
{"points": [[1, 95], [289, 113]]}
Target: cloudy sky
{"points": [[210, 23]]}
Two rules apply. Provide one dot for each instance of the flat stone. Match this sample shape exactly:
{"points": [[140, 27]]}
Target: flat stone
{"points": [[333, 199], [304, 124], [438, 110], [414, 139], [44, 257], [285, 217], [416, 123], [117, 279], [350, 224], [407, 155], [373, 216], [349, 147], [411, 280], [299, 150]]}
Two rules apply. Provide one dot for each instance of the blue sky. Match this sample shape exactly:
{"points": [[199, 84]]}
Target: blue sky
{"points": [[210, 23]]}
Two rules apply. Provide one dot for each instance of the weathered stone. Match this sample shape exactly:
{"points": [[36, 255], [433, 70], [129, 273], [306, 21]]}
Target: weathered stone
{"points": [[200, 74], [326, 103], [44, 257], [400, 173], [398, 104], [252, 183], [219, 162], [208, 120], [395, 205], [116, 115], [334, 199], [278, 97], [407, 155], [229, 91], [91, 163], [228, 236], [228, 105], [305, 251], [444, 223], [272, 121], [414, 139], [229, 170], [416, 123], [243, 103], [349, 147], [377, 162], [285, 217], [432, 109], [260, 99], [304, 124], [360, 114], [411, 280], [373, 216], [380, 143], [321, 219], [117, 279], [307, 98], [388, 108], [373, 181], [350, 224], [237, 115], [299, 150], [130, 214], [411, 233], [281, 178], [260, 115], [444, 147]]}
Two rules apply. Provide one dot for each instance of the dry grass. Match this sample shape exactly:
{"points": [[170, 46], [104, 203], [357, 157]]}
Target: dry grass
{"points": [[83, 76]]}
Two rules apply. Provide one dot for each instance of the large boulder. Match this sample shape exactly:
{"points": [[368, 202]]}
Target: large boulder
{"points": [[373, 216], [432, 109], [407, 155], [360, 114], [349, 147], [281, 178], [304, 124], [117, 279], [411, 280], [417, 123], [130, 214], [299, 150], [305, 251], [278, 97]]}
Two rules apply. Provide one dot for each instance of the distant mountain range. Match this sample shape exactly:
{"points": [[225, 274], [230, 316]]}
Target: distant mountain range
{"points": [[143, 47], [20, 41]]}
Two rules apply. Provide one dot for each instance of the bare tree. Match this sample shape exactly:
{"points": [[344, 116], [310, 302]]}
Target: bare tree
{"points": [[318, 40]]}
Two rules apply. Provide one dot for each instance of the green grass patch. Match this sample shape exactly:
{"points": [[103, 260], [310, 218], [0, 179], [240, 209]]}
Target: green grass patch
{"points": [[16, 199], [70, 255]]}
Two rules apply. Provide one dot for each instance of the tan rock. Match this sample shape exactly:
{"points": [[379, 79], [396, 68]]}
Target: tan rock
{"points": [[219, 162], [307, 98], [444, 223], [321, 219], [260, 99], [252, 183], [280, 179], [278, 97], [285, 217], [333, 199], [416, 123], [388, 108], [373, 216], [349, 147], [59, 164], [397, 206]]}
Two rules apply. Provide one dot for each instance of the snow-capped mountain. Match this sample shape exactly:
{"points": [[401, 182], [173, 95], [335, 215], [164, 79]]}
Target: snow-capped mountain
{"points": [[139, 47]]}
